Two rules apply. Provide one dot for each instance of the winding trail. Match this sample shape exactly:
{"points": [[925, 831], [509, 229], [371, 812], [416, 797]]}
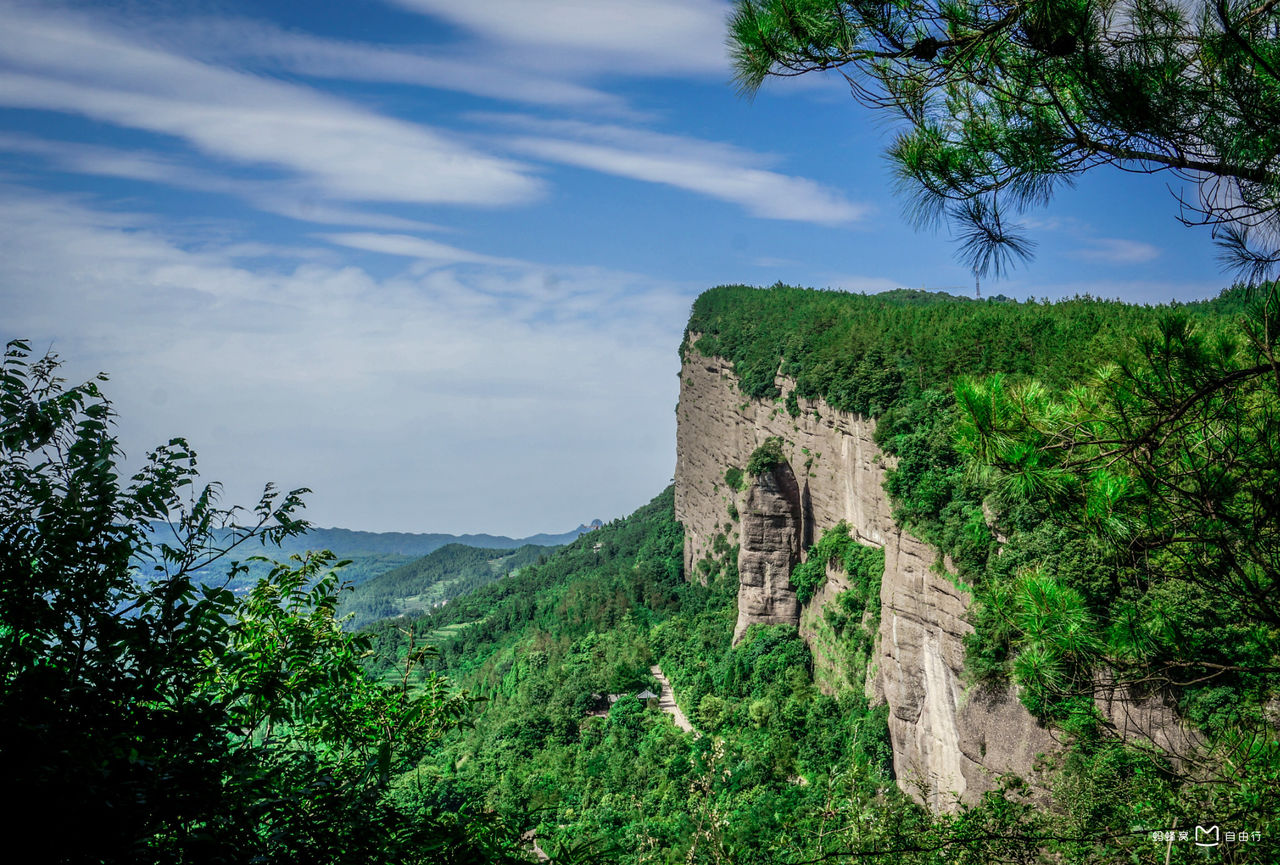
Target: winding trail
{"points": [[667, 701]]}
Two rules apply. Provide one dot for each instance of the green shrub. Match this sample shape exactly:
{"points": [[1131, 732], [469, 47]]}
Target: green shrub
{"points": [[807, 577], [733, 477], [761, 712], [766, 457], [793, 404], [711, 712], [864, 566]]}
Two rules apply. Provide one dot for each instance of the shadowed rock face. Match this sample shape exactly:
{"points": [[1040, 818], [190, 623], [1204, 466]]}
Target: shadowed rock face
{"points": [[770, 548], [948, 741]]}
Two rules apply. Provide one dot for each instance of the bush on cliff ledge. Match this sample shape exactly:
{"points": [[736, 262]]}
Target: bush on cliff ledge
{"points": [[766, 457]]}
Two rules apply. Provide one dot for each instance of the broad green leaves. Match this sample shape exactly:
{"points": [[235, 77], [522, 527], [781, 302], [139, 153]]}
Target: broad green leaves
{"points": [[175, 720]]}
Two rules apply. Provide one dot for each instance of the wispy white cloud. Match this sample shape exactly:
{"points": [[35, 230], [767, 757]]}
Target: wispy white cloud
{"points": [[104, 161], [715, 169], [289, 199], [1116, 250], [453, 399], [304, 207], [419, 248], [645, 37], [456, 68], [71, 63]]}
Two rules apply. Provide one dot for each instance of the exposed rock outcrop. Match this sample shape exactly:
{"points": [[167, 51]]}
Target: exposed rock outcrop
{"points": [[770, 548], [1146, 718], [947, 741]]}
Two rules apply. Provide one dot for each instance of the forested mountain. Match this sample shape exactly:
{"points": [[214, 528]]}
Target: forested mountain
{"points": [[1098, 480], [1016, 435], [546, 645], [580, 589], [434, 579], [1088, 489]]}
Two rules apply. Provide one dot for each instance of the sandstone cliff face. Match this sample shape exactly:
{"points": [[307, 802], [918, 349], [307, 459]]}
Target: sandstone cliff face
{"points": [[946, 742], [836, 463]]}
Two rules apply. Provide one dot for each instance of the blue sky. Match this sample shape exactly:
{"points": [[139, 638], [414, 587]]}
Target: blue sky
{"points": [[433, 259]]}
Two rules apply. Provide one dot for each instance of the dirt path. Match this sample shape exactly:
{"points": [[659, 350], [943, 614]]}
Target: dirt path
{"points": [[531, 838], [667, 701]]}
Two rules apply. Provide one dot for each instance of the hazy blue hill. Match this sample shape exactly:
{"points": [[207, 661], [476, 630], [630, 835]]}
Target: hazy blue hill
{"points": [[545, 540], [442, 575], [370, 553], [348, 543]]}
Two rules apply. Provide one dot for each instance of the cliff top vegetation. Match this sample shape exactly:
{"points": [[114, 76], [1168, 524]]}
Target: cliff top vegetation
{"points": [[859, 352]]}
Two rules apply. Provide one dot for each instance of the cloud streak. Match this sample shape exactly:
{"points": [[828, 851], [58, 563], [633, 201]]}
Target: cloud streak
{"points": [[71, 64], [645, 37], [310, 152], [283, 199], [713, 169], [419, 248], [427, 66]]}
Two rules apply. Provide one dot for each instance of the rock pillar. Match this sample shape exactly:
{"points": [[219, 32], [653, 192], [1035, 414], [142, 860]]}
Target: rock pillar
{"points": [[771, 527]]}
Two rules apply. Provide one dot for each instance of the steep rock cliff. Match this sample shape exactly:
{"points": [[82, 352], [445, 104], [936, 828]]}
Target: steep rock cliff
{"points": [[947, 741]]}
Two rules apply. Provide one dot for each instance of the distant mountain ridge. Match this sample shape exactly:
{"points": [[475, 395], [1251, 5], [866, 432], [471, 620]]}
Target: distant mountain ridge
{"points": [[349, 542], [346, 543], [433, 579], [370, 553]]}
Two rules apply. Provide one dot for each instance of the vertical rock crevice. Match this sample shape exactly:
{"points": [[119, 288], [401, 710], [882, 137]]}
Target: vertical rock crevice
{"points": [[807, 536]]}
